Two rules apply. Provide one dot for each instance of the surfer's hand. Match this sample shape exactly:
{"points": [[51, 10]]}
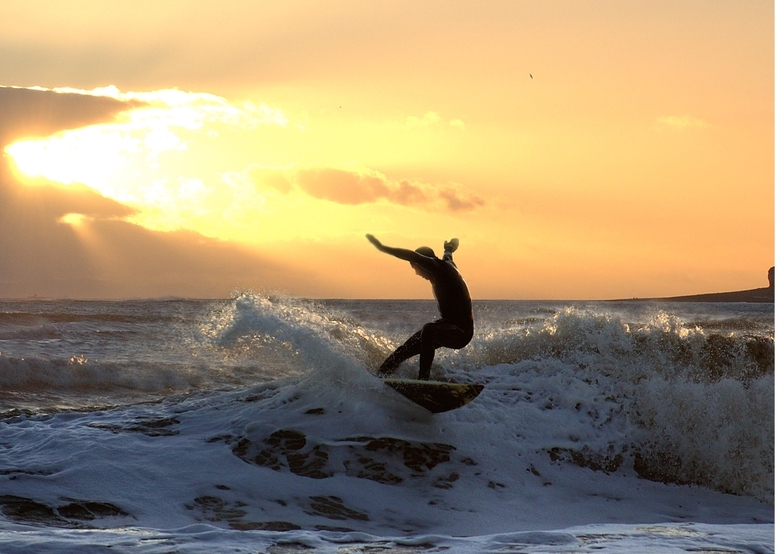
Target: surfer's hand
{"points": [[452, 245], [373, 240]]}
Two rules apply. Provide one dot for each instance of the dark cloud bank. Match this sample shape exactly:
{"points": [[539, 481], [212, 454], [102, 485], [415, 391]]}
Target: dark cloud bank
{"points": [[105, 257]]}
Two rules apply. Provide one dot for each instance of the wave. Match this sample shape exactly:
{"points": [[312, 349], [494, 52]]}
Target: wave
{"points": [[335, 451], [664, 397], [688, 406], [293, 332], [663, 345], [78, 374], [585, 417]]}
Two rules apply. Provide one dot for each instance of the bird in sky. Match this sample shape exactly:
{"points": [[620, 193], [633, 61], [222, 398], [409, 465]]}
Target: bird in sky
{"points": [[531, 76]]}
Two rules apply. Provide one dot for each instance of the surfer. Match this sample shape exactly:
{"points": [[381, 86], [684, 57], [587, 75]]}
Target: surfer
{"points": [[455, 327]]}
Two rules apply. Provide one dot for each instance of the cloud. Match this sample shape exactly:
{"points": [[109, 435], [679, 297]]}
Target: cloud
{"points": [[343, 187], [37, 112], [144, 157], [680, 122], [460, 202], [190, 110], [80, 241], [153, 123], [353, 187], [69, 241]]}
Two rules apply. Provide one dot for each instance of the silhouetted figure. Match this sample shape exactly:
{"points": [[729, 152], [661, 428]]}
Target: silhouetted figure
{"points": [[455, 327], [771, 278]]}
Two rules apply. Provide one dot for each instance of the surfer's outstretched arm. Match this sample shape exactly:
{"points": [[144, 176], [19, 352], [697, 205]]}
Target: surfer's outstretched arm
{"points": [[402, 253]]}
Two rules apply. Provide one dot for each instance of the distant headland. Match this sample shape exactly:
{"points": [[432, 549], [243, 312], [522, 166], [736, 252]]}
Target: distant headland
{"points": [[765, 295]]}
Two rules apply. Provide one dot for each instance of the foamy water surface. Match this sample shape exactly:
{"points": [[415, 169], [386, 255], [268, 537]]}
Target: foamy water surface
{"points": [[255, 424]]}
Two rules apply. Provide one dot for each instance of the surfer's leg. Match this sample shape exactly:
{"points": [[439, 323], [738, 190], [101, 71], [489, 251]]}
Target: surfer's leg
{"points": [[436, 335], [427, 350], [405, 351]]}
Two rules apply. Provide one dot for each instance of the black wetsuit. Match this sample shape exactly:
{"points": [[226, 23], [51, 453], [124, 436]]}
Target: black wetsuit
{"points": [[454, 329]]}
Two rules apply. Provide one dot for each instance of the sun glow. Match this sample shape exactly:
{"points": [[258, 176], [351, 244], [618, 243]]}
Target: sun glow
{"points": [[235, 170], [92, 156], [160, 157], [597, 151], [73, 219]]}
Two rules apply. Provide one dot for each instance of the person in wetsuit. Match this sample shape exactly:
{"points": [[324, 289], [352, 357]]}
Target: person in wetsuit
{"points": [[455, 327]]}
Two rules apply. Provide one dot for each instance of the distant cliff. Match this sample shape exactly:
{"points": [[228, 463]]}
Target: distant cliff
{"points": [[753, 295]]}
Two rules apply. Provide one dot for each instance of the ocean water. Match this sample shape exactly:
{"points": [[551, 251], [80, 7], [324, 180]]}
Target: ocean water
{"points": [[255, 424]]}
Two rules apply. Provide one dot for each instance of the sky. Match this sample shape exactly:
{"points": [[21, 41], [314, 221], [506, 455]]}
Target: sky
{"points": [[579, 149]]}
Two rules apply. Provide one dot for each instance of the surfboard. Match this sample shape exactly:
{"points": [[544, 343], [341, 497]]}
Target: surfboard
{"points": [[436, 396]]}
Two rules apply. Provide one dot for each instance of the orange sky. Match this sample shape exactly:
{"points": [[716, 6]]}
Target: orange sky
{"points": [[579, 149]]}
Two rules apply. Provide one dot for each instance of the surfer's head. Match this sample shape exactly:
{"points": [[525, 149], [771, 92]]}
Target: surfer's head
{"points": [[418, 269], [426, 251]]}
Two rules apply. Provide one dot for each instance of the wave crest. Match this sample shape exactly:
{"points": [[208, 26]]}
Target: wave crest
{"points": [[681, 404]]}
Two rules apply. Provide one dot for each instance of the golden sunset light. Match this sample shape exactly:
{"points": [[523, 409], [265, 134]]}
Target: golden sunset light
{"points": [[579, 150], [402, 275]]}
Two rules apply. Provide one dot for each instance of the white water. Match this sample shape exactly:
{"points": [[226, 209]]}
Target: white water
{"points": [[253, 424]]}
